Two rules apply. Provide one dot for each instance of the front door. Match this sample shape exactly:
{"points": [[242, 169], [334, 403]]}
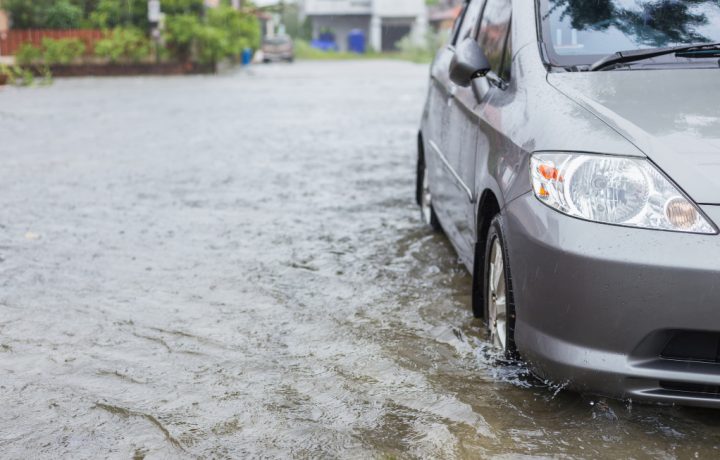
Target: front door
{"points": [[436, 132], [457, 139], [473, 136], [460, 146]]}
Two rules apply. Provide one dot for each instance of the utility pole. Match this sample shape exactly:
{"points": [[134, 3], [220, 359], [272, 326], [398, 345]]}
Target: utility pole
{"points": [[154, 18]]}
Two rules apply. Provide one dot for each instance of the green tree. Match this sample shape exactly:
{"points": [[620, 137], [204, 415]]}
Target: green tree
{"points": [[224, 33], [180, 32], [241, 30], [172, 7], [212, 44], [87, 6], [23, 13], [43, 14], [290, 17], [63, 15], [115, 13]]}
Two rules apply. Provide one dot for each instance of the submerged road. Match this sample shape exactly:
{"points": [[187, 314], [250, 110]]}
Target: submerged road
{"points": [[233, 266]]}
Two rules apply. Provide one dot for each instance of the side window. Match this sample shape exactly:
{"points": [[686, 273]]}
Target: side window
{"points": [[470, 19], [507, 57], [494, 36]]}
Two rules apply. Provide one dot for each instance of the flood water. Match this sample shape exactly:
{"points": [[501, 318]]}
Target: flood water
{"points": [[233, 267]]}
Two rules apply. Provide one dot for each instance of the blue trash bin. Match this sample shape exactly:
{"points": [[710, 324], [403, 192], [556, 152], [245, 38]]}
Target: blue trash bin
{"points": [[356, 41], [247, 55]]}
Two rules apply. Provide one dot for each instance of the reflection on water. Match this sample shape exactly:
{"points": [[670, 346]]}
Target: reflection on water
{"points": [[239, 293]]}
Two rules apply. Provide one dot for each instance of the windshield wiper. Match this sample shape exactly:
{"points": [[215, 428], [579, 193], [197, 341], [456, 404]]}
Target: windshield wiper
{"points": [[622, 57]]}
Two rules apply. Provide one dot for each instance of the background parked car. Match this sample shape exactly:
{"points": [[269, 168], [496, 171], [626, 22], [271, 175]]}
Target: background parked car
{"points": [[279, 48]]}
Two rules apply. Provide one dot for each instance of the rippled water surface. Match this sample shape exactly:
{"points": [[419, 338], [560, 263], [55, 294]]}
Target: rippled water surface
{"points": [[233, 266]]}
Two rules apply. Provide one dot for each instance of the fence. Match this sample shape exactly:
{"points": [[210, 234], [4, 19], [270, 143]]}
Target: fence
{"points": [[11, 40]]}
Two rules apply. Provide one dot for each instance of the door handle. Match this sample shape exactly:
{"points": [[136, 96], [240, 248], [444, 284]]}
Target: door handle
{"points": [[451, 95]]}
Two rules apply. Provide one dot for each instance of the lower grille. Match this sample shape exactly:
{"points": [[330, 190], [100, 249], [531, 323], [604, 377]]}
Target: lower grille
{"points": [[692, 389], [693, 346]]}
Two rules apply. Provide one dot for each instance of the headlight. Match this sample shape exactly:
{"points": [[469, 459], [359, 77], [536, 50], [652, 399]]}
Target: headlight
{"points": [[614, 190]]}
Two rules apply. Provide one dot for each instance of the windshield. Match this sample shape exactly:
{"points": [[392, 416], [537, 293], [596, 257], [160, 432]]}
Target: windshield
{"points": [[276, 41], [579, 32]]}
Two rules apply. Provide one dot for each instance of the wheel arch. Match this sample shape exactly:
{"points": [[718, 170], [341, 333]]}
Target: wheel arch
{"points": [[488, 207]]}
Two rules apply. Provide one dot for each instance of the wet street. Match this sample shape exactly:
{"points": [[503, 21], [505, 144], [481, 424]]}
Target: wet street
{"points": [[233, 266]]}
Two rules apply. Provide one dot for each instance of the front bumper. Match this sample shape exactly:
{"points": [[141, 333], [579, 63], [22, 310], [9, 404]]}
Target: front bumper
{"points": [[597, 305], [278, 55]]}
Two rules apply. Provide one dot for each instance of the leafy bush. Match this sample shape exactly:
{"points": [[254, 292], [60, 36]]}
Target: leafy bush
{"points": [[62, 51], [28, 54], [123, 44], [17, 75]]}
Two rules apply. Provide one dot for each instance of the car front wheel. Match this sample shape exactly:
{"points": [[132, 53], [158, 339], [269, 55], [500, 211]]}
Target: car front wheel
{"points": [[498, 293]]}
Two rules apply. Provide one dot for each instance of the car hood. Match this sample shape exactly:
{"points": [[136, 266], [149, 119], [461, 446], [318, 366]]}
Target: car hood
{"points": [[673, 116]]}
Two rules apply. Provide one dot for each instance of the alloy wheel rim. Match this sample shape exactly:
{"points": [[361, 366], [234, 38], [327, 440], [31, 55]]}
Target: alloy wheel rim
{"points": [[497, 297], [426, 199]]}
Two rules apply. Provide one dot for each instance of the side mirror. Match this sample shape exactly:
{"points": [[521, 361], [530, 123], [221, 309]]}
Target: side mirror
{"points": [[468, 63]]}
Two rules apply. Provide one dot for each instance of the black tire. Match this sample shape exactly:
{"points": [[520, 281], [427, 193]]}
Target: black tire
{"points": [[478, 280], [428, 217], [496, 232]]}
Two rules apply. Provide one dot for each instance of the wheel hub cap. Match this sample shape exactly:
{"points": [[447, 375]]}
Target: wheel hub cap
{"points": [[497, 300]]}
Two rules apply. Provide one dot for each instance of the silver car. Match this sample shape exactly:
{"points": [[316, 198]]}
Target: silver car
{"points": [[280, 48], [570, 150]]}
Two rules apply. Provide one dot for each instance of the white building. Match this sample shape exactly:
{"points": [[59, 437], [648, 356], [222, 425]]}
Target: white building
{"points": [[384, 22]]}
